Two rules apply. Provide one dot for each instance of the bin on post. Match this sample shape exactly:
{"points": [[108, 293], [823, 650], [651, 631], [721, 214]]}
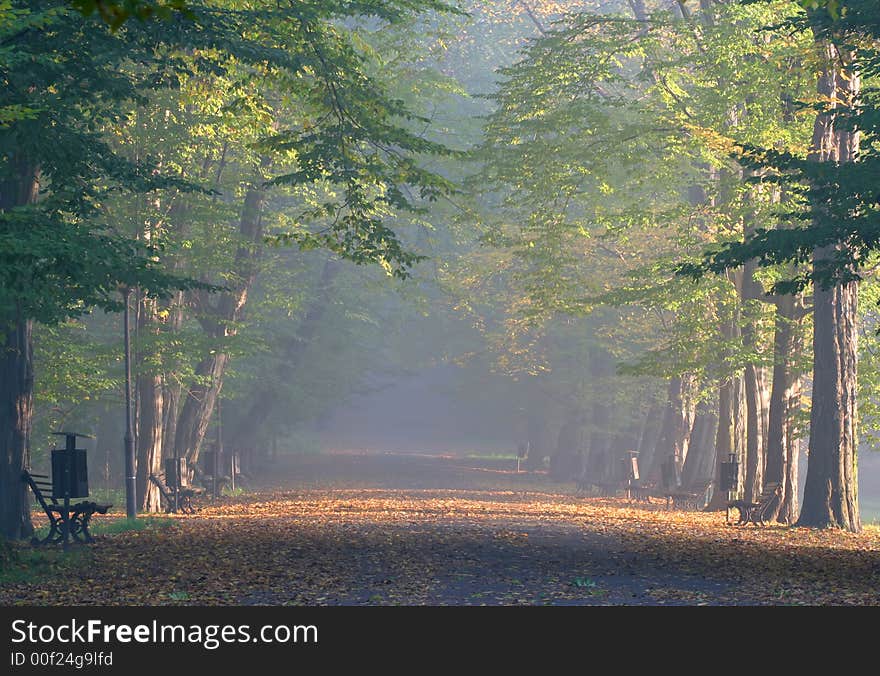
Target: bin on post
{"points": [[70, 477], [211, 467], [630, 471], [730, 474]]}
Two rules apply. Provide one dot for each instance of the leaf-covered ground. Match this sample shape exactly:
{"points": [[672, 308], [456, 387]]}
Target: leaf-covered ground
{"points": [[405, 529]]}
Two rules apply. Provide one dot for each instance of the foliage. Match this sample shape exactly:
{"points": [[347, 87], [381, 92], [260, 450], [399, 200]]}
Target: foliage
{"points": [[839, 205]]}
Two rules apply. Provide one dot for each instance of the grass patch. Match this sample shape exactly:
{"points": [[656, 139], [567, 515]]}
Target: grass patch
{"points": [[108, 496], [111, 526], [25, 563]]}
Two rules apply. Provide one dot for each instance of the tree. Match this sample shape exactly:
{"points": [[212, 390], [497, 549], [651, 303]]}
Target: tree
{"points": [[59, 257], [71, 80], [839, 236]]}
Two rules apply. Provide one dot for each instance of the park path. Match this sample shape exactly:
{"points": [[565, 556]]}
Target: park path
{"points": [[391, 528]]}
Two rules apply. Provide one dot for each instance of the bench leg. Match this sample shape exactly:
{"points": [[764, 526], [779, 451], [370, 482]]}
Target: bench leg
{"points": [[79, 527], [54, 535]]}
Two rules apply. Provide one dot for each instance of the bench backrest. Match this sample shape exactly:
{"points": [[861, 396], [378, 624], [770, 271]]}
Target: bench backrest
{"points": [[39, 483], [159, 480], [771, 490]]}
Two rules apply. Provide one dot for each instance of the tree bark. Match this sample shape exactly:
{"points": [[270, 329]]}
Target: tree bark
{"points": [[16, 376], [219, 322], [150, 415], [752, 294], [724, 442], [678, 420], [650, 432], [700, 463], [782, 456], [789, 507], [831, 490], [16, 417]]}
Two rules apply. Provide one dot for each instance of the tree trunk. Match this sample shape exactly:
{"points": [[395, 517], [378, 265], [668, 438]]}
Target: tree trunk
{"points": [[755, 392], [789, 507], [730, 436], [831, 490], [649, 435], [724, 442], [172, 387], [149, 416], [781, 448], [16, 376], [678, 420], [16, 416], [219, 322], [756, 401], [700, 463], [198, 407]]}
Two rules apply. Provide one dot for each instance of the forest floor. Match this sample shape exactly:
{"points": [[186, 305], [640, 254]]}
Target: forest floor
{"points": [[382, 528]]}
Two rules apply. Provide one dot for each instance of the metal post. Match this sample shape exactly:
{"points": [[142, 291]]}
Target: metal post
{"points": [[177, 479], [69, 448], [130, 462]]}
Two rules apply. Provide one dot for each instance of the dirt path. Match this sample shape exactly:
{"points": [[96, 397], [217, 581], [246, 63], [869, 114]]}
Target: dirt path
{"points": [[408, 529]]}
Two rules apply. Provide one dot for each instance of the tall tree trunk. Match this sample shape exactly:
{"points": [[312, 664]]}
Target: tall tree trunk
{"points": [[16, 416], [678, 420], [789, 507], [648, 437], [724, 442], [755, 434], [149, 415], [739, 427], [752, 294], [700, 463], [172, 388], [16, 376], [831, 490], [198, 407], [219, 322], [781, 448]]}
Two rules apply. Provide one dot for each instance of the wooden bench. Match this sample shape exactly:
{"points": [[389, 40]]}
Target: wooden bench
{"points": [[688, 500], [758, 512], [604, 490], [640, 491], [207, 481], [77, 519], [184, 496]]}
